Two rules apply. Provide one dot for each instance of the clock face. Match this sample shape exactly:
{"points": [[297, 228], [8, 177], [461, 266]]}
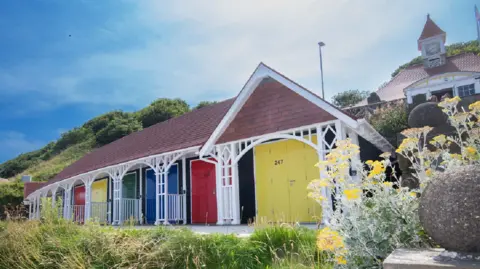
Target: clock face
{"points": [[432, 48]]}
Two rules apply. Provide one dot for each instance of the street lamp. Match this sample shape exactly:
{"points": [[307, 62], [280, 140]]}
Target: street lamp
{"points": [[320, 45]]}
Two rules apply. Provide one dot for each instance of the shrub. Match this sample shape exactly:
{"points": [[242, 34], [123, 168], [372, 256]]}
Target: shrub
{"points": [[390, 120], [373, 216], [11, 195]]}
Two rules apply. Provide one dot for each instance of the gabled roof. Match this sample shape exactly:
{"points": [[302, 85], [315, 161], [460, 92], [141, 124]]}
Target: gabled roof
{"points": [[327, 110], [393, 90], [430, 29], [270, 108], [30, 187], [189, 130]]}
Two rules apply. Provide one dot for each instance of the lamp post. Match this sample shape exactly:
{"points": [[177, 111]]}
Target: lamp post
{"points": [[320, 45]]}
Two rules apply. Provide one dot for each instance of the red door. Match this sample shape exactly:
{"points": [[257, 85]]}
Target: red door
{"points": [[204, 198], [79, 204]]}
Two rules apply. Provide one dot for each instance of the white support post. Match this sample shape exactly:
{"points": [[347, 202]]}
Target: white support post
{"points": [[117, 200], [219, 188], [88, 198], [54, 196], [157, 195], [354, 138], [184, 190], [67, 202], [109, 200], [327, 203], [140, 206], [30, 209], [235, 203], [165, 196]]}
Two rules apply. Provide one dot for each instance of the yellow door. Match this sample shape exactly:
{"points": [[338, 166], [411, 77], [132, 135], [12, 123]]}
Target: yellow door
{"points": [[271, 182], [99, 205], [99, 191], [283, 171], [312, 172]]}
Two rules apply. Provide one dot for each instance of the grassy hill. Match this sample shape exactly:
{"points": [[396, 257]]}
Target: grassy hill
{"points": [[45, 163]]}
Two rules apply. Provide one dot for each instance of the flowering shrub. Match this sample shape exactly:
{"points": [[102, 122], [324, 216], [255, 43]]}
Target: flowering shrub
{"points": [[374, 216]]}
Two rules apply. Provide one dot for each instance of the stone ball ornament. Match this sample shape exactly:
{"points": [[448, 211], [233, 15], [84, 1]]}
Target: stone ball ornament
{"points": [[450, 209], [427, 114]]}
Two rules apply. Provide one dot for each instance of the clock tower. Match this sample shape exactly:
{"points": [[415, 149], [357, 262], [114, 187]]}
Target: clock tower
{"points": [[432, 44]]}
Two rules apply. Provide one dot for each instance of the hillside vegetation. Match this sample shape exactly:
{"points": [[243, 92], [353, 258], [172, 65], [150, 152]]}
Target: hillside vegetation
{"points": [[45, 163]]}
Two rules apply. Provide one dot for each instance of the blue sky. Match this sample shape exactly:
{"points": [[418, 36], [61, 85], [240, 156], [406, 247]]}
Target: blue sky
{"points": [[64, 62]]}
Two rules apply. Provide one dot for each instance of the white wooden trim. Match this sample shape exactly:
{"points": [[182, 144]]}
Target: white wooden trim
{"points": [[110, 168], [263, 71]]}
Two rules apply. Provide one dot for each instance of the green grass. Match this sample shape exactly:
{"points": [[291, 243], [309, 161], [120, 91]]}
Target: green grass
{"points": [[56, 243], [46, 170]]}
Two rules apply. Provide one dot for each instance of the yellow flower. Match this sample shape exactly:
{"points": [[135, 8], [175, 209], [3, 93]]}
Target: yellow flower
{"points": [[471, 150], [429, 172], [439, 139], [328, 240], [456, 156], [388, 184], [413, 194], [340, 260], [352, 194], [377, 169], [369, 162], [474, 106]]}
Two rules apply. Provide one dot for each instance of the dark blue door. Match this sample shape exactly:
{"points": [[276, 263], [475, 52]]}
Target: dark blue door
{"points": [[150, 202], [173, 179]]}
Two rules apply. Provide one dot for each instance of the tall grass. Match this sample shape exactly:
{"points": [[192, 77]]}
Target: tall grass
{"points": [[56, 243]]}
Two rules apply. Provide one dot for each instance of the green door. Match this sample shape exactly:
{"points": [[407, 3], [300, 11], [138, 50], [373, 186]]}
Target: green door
{"points": [[129, 188]]}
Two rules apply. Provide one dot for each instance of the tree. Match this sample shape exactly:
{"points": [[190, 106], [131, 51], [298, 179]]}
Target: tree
{"points": [[118, 128], [204, 104], [162, 110], [98, 123], [349, 98]]}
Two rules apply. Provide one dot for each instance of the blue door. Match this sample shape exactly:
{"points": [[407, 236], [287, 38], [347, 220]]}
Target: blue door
{"points": [[150, 202], [150, 196], [173, 179]]}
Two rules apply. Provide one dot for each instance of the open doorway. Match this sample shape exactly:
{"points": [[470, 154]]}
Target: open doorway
{"points": [[439, 94]]}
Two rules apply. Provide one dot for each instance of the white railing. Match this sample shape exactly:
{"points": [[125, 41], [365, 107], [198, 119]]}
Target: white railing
{"points": [[78, 213], [175, 207], [227, 202], [130, 210], [99, 211]]}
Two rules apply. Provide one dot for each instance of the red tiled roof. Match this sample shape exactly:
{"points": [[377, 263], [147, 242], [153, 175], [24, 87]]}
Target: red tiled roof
{"points": [[189, 130], [393, 90], [30, 187], [429, 30], [270, 108]]}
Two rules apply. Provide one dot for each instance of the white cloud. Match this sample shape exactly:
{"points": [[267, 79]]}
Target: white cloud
{"points": [[199, 50]]}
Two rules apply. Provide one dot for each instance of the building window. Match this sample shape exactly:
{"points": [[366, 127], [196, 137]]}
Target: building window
{"points": [[466, 90]]}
